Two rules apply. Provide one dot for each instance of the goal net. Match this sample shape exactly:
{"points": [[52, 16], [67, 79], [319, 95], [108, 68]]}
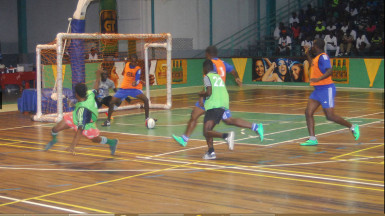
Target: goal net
{"points": [[75, 57]]}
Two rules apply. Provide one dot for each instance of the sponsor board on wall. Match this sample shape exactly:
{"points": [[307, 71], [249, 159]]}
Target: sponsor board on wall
{"points": [[280, 70], [295, 70]]}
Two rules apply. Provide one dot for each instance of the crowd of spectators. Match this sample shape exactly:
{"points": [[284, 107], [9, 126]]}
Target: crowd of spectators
{"points": [[349, 27]]}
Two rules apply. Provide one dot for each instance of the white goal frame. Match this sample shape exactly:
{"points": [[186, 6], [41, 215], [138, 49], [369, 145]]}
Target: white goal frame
{"points": [[61, 37]]}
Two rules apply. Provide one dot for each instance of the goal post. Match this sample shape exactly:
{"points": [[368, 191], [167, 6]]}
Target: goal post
{"points": [[51, 56]]}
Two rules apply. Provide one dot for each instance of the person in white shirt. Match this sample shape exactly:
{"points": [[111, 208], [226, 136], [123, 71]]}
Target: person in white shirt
{"points": [[307, 42], [277, 31], [331, 43], [362, 43], [284, 44], [93, 55], [293, 19], [331, 27]]}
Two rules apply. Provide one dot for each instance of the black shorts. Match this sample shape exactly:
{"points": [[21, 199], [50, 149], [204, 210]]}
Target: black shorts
{"points": [[215, 115], [104, 101]]}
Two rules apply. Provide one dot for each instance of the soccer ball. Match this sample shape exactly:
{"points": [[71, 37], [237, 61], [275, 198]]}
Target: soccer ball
{"points": [[150, 123]]}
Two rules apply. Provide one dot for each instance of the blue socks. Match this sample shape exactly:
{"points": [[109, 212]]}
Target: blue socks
{"points": [[185, 138], [254, 127]]}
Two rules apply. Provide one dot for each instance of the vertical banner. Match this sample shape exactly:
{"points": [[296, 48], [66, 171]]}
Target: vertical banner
{"points": [[108, 24], [179, 71], [340, 68]]}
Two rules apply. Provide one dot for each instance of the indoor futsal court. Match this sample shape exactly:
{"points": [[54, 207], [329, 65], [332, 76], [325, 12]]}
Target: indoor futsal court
{"points": [[151, 173], [140, 71]]}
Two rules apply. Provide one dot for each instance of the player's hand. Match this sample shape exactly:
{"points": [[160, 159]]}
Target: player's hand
{"points": [[307, 48], [72, 150], [201, 102], [239, 82]]}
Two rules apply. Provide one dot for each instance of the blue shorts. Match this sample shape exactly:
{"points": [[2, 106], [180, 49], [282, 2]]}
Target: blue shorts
{"points": [[123, 93], [325, 95], [199, 106]]}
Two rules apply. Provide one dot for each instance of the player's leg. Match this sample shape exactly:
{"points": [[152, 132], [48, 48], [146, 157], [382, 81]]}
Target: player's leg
{"points": [[212, 118], [229, 120], [331, 116], [145, 100], [113, 143], [62, 125], [191, 124], [114, 102], [312, 106]]}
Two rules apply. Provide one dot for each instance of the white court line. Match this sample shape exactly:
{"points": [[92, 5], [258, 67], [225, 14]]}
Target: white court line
{"points": [[23, 127], [247, 168], [42, 205]]}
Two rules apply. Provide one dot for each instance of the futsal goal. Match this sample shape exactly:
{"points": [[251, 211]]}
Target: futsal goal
{"points": [[75, 57]]}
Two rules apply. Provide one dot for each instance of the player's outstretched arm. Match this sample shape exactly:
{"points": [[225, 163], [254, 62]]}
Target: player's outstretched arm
{"points": [[236, 76], [75, 141], [97, 80]]}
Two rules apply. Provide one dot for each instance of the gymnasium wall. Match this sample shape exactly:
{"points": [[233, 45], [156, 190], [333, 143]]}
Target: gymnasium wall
{"points": [[361, 73]]}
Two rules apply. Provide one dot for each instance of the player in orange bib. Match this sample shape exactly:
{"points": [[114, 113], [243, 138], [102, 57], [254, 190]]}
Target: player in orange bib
{"points": [[131, 86], [324, 92]]}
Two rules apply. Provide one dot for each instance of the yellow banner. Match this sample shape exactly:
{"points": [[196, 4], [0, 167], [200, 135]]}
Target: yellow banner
{"points": [[179, 71], [372, 66], [54, 69], [240, 66]]}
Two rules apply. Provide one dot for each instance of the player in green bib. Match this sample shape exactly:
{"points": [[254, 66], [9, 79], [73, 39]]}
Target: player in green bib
{"points": [[217, 102], [83, 119]]}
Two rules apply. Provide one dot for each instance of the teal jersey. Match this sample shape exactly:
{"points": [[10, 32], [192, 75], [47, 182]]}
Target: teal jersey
{"points": [[219, 97]]}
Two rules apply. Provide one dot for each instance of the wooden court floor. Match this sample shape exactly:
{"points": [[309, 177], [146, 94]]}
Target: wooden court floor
{"points": [[150, 173]]}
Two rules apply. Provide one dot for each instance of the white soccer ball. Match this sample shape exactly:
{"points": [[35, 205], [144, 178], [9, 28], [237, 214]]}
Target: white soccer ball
{"points": [[150, 123], [54, 96]]}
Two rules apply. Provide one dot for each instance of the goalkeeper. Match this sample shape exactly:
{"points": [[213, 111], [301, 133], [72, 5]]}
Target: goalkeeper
{"points": [[131, 86]]}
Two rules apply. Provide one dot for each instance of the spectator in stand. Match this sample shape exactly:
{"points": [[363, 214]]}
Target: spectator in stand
{"points": [[278, 29], [301, 16], [363, 19], [347, 43], [331, 27], [307, 29], [284, 44], [345, 26], [362, 44], [293, 19], [93, 55], [310, 13], [320, 30], [296, 30], [370, 29], [352, 10], [331, 43], [377, 43], [307, 42]]}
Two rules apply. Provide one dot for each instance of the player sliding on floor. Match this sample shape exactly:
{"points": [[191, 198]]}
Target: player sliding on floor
{"points": [[221, 68], [324, 92], [83, 119]]}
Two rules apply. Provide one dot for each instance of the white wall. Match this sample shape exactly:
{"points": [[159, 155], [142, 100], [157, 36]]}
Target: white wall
{"points": [[47, 18], [8, 23]]}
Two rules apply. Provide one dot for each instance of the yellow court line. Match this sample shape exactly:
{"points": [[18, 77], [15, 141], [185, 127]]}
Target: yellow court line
{"points": [[365, 156], [7, 144], [198, 161], [356, 151], [76, 206], [291, 179], [316, 174], [382, 162], [96, 184]]}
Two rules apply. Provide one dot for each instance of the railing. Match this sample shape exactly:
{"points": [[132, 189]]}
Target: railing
{"points": [[247, 36]]}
